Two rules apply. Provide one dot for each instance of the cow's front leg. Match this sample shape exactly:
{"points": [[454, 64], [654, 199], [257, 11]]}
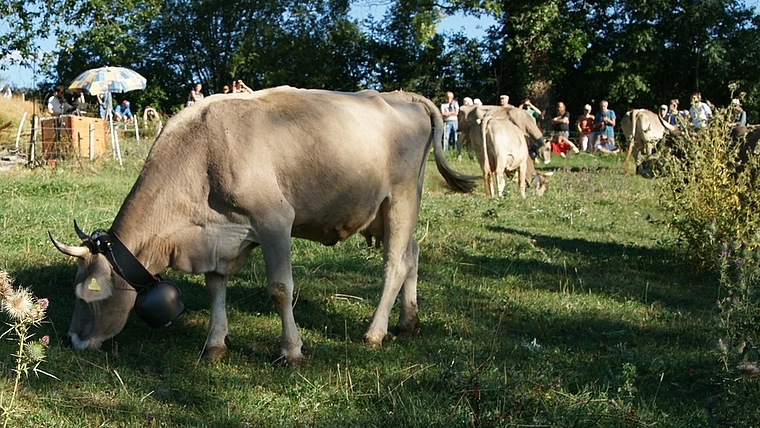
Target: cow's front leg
{"points": [[215, 347], [275, 246]]}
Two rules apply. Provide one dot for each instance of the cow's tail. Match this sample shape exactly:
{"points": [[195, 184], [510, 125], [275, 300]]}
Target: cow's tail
{"points": [[457, 181], [631, 138], [484, 135]]}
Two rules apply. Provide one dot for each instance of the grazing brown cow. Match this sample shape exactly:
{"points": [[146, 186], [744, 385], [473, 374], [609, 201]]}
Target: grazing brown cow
{"points": [[642, 129], [504, 149], [247, 170], [470, 118]]}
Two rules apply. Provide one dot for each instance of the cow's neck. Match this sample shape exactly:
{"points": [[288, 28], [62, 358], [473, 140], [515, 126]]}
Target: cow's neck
{"points": [[151, 218]]}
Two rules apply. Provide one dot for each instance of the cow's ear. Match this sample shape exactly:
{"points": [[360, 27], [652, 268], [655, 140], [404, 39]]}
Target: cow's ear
{"points": [[95, 288]]}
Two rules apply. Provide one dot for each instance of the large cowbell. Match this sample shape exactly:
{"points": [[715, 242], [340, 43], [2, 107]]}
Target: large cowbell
{"points": [[159, 304]]}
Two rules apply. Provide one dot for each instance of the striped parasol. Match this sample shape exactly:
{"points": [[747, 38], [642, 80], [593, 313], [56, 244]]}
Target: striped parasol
{"points": [[108, 79]]}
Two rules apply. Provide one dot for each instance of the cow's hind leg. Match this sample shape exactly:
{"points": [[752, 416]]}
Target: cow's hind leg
{"points": [[522, 173], [501, 181], [409, 318], [215, 348], [488, 183], [399, 228]]}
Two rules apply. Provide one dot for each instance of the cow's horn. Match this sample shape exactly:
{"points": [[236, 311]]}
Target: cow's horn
{"points": [[68, 249], [83, 236], [672, 129]]}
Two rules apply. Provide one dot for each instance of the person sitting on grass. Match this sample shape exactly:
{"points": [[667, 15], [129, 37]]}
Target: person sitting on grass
{"points": [[561, 145], [122, 113], [604, 124], [150, 114]]}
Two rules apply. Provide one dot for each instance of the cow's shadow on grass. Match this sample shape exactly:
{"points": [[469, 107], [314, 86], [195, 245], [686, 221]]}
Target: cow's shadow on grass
{"points": [[611, 269], [605, 267], [505, 332]]}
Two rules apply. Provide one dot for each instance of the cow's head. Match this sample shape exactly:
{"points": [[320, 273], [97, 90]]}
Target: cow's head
{"points": [[543, 149], [103, 298]]}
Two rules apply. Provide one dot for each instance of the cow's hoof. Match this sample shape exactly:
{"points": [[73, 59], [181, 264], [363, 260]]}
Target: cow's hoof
{"points": [[214, 354], [373, 342], [406, 330], [292, 360]]}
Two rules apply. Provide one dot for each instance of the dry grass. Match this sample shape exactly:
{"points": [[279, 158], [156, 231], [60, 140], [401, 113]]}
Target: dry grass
{"points": [[11, 113]]}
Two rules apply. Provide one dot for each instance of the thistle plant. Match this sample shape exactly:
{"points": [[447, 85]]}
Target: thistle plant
{"points": [[738, 266], [25, 312]]}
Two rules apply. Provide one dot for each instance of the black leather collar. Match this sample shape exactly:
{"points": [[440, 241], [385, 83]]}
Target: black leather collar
{"points": [[122, 260]]}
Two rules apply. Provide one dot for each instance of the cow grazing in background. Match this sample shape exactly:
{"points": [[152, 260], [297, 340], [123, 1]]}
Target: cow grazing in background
{"points": [[750, 136], [504, 149], [470, 118], [255, 170], [642, 130]]}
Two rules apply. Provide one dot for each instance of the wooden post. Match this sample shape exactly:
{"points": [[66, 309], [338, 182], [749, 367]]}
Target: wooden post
{"points": [[33, 138], [92, 141]]}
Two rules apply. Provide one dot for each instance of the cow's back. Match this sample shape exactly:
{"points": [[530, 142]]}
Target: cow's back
{"points": [[330, 157], [505, 143]]}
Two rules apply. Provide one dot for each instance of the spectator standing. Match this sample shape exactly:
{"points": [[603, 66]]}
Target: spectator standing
{"points": [[504, 101], [195, 95], [534, 111], [477, 102], [561, 143], [225, 89], [57, 105], [585, 126], [467, 101], [671, 116], [561, 122], [699, 112], [450, 112], [738, 115], [239, 87], [7, 93], [604, 126], [105, 104]]}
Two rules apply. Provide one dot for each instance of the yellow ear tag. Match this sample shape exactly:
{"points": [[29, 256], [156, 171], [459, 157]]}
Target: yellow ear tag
{"points": [[93, 285]]}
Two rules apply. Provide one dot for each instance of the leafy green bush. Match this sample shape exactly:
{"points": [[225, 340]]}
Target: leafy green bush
{"points": [[739, 268], [709, 193]]}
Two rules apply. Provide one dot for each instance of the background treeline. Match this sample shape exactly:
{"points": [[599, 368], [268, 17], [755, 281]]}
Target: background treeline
{"points": [[635, 53]]}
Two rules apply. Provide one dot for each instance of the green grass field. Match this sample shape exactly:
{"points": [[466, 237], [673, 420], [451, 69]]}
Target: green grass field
{"points": [[572, 310]]}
